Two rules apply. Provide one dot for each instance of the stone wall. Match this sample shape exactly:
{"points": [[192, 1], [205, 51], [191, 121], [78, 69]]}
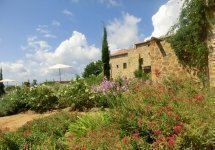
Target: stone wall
{"points": [[164, 62], [211, 47]]}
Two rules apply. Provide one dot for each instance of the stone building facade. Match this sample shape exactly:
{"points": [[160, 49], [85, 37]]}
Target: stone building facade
{"points": [[156, 56]]}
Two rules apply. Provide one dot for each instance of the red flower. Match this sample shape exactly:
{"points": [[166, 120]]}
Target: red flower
{"points": [[156, 131], [125, 139], [135, 135], [177, 129], [83, 148], [156, 143], [199, 98], [171, 140]]}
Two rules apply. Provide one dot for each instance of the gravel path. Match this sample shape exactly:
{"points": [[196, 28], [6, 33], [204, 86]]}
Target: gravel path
{"points": [[12, 123]]}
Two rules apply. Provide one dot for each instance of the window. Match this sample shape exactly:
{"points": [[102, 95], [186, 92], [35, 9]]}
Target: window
{"points": [[117, 66], [147, 69], [124, 65]]}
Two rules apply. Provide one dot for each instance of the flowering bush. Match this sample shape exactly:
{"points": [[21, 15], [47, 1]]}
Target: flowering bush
{"points": [[13, 102], [107, 92], [78, 94], [41, 98], [169, 116]]}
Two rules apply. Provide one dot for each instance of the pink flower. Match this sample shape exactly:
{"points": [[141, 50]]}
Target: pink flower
{"points": [[199, 98], [156, 131]]}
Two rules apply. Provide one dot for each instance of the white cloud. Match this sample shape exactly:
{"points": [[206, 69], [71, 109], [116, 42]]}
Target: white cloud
{"points": [[67, 12], [50, 36], [42, 29], [111, 2], [123, 33], [74, 51], [166, 17], [56, 23]]}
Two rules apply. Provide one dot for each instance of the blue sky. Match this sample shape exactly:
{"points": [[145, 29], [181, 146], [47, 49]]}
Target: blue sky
{"points": [[35, 34]]}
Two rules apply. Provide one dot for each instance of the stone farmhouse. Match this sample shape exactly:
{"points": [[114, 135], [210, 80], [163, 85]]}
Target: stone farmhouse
{"points": [[158, 58]]}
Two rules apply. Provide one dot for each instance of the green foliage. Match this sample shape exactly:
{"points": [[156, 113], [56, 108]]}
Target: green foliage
{"points": [[94, 80], [89, 122], [189, 40], [77, 93], [41, 98], [93, 69], [13, 102], [46, 133], [141, 74], [105, 55]]}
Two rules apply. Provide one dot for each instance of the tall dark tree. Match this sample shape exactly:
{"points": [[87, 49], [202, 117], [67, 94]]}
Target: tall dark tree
{"points": [[105, 55], [1, 84]]}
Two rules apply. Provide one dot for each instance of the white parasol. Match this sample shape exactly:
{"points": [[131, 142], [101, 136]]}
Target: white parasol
{"points": [[59, 67], [7, 80]]}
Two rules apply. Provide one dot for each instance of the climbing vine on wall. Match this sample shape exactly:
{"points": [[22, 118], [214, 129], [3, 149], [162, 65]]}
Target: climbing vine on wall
{"points": [[189, 42]]}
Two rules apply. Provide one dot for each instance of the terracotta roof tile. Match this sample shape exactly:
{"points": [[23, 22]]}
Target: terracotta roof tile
{"points": [[120, 52]]}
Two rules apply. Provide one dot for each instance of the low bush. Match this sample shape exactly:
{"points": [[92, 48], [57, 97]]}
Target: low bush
{"points": [[77, 94], [46, 133], [13, 102], [41, 98]]}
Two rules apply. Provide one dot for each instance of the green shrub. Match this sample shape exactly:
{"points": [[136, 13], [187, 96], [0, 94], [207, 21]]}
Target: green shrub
{"points": [[46, 133], [94, 80], [41, 98], [142, 75], [77, 93], [89, 122], [13, 102]]}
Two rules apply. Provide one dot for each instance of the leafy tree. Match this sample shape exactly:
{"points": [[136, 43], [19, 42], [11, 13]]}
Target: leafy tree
{"points": [[189, 42], [94, 68], [1, 84], [105, 55]]}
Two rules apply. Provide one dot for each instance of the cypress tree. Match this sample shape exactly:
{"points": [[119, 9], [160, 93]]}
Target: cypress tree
{"points": [[1, 84], [105, 55]]}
